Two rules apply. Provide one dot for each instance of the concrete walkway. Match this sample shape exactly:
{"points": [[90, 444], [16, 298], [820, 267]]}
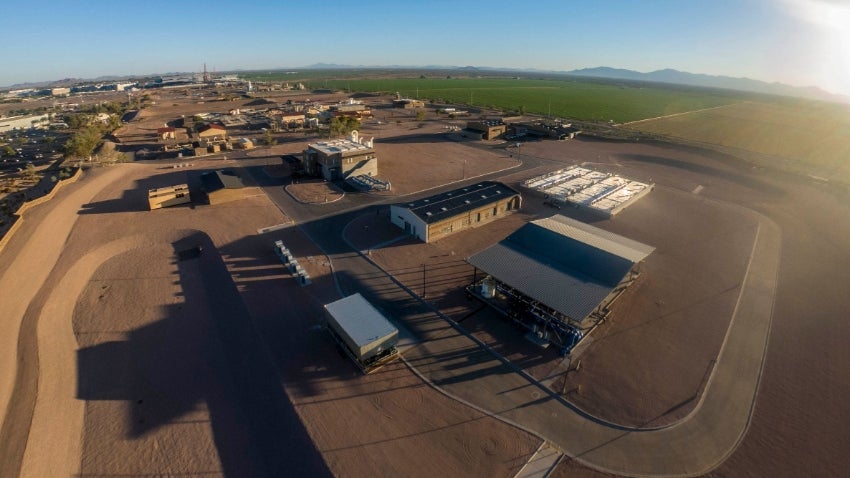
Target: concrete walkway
{"points": [[541, 463]]}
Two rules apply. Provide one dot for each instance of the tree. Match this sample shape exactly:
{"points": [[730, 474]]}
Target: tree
{"points": [[9, 151], [421, 115], [521, 110], [29, 171], [82, 144], [344, 125]]}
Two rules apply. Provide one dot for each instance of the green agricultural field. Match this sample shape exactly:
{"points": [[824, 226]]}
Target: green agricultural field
{"points": [[810, 133], [566, 98]]}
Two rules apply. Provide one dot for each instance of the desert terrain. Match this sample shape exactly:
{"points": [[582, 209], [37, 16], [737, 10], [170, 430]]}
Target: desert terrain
{"points": [[127, 353]]}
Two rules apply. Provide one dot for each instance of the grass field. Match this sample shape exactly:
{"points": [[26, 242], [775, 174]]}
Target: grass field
{"points": [[567, 98], [806, 132]]}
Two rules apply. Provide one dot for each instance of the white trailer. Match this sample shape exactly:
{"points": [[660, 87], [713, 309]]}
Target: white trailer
{"points": [[364, 333]]}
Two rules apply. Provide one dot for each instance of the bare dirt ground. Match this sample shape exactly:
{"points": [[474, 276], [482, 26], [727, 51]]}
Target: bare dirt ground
{"points": [[174, 380]]}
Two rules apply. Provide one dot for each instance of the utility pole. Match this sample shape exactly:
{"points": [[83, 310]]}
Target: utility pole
{"points": [[423, 280]]}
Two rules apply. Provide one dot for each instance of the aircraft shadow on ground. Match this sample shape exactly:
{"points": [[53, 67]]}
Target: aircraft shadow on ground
{"points": [[165, 370]]}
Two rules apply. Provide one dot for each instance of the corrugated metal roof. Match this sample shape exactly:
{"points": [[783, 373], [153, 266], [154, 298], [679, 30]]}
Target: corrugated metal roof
{"points": [[596, 237], [568, 292], [360, 319], [451, 203], [565, 264]]}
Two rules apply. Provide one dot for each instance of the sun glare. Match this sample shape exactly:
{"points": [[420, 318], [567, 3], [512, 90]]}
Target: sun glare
{"points": [[831, 21]]}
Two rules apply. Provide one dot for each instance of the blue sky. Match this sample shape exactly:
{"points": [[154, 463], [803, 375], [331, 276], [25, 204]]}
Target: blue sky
{"points": [[799, 42]]}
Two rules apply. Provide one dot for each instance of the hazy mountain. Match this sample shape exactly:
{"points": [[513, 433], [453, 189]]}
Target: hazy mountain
{"points": [[708, 81], [660, 76]]}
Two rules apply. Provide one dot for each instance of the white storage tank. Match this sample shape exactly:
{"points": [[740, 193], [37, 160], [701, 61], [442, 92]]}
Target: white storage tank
{"points": [[488, 288]]}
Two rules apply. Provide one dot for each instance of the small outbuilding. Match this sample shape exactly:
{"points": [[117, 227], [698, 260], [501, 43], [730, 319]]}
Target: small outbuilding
{"points": [[168, 196], [167, 132], [222, 186], [213, 131], [365, 335]]}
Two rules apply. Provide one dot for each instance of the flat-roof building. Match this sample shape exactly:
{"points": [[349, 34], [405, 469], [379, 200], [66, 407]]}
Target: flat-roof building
{"points": [[222, 186], [339, 159], [168, 196], [489, 129], [408, 103], [367, 337], [441, 215], [545, 129]]}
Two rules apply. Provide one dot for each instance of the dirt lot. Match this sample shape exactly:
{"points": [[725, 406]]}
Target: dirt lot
{"points": [[175, 381]]}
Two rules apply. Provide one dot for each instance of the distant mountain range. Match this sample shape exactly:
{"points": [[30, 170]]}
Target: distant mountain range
{"points": [[660, 76], [709, 81]]}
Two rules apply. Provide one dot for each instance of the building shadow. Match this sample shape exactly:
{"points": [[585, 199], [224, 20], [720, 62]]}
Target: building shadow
{"points": [[169, 369], [136, 199]]}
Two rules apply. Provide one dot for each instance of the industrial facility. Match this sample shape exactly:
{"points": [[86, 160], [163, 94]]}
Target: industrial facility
{"points": [[366, 336], [602, 193], [557, 277], [441, 215]]}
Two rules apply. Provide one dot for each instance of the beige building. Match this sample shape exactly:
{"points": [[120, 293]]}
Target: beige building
{"points": [[213, 132], [222, 186], [435, 217], [489, 129], [291, 119], [168, 196], [339, 159], [166, 133], [408, 103]]}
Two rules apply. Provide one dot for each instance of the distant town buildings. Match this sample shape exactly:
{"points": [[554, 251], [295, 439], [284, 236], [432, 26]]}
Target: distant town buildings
{"points": [[23, 122]]}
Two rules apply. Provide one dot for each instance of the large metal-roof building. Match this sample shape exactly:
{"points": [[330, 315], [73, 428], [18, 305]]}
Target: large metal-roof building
{"points": [[440, 215], [557, 275]]}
